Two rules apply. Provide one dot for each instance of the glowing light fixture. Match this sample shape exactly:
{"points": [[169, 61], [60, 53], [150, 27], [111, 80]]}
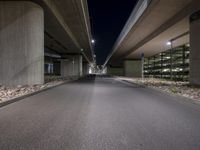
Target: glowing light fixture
{"points": [[169, 43], [93, 41]]}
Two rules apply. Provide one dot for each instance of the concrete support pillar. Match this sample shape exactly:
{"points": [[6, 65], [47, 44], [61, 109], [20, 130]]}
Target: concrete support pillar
{"points": [[195, 48], [80, 65], [72, 66], [85, 69], [133, 68], [115, 70], [21, 43]]}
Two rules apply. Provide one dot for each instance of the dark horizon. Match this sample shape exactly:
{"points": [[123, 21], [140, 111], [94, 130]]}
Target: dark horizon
{"points": [[107, 20]]}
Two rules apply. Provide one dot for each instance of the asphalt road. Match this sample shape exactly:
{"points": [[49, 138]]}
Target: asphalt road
{"points": [[100, 114]]}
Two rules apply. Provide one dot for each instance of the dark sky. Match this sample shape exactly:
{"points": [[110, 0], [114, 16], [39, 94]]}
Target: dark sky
{"points": [[108, 18]]}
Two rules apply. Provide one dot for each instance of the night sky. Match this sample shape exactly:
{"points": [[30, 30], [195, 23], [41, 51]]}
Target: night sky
{"points": [[108, 18]]}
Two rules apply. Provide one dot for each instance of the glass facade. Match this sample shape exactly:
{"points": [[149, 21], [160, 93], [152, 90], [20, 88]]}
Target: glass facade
{"points": [[172, 64]]}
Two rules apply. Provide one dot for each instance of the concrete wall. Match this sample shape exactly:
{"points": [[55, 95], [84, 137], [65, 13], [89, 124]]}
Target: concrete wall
{"points": [[115, 71], [21, 43], [133, 68], [72, 66], [195, 49]]}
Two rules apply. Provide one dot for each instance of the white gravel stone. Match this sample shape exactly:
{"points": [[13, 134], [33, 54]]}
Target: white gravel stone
{"points": [[179, 88], [7, 93]]}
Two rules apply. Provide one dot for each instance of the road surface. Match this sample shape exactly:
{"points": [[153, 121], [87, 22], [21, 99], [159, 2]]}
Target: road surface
{"points": [[100, 114]]}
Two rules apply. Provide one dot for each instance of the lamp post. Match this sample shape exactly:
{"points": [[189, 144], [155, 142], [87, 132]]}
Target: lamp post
{"points": [[93, 41], [142, 59], [170, 43]]}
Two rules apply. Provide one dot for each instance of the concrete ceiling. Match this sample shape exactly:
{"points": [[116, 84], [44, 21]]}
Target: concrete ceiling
{"points": [[158, 44], [67, 26], [161, 21]]}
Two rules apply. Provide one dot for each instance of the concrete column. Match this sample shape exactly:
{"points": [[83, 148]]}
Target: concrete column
{"points": [[133, 68], [115, 70], [72, 66], [85, 69], [80, 65], [195, 48], [21, 43]]}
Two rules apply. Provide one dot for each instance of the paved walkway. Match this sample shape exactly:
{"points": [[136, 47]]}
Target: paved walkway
{"points": [[100, 114]]}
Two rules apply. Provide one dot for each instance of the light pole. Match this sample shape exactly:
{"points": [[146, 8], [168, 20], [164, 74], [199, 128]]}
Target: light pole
{"points": [[170, 43], [142, 59], [94, 56]]}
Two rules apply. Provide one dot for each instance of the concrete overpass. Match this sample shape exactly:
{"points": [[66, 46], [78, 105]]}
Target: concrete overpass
{"points": [[95, 112], [151, 25], [33, 29]]}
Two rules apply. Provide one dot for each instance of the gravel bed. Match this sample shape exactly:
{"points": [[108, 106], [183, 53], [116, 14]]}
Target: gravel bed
{"points": [[7, 93], [179, 88]]}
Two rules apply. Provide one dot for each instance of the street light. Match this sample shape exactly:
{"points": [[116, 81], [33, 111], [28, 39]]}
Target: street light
{"points": [[93, 41], [169, 43], [142, 67]]}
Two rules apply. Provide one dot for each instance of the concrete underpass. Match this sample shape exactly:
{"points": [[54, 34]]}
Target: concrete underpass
{"points": [[97, 106]]}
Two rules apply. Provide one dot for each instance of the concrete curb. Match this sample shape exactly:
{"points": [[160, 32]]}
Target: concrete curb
{"points": [[193, 101], [16, 99]]}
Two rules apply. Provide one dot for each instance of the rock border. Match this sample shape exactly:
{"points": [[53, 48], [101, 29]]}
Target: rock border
{"points": [[188, 99], [16, 99]]}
